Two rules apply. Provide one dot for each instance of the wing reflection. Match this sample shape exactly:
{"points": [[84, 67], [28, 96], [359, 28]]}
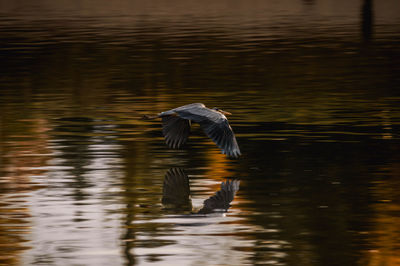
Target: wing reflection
{"points": [[176, 194], [176, 190]]}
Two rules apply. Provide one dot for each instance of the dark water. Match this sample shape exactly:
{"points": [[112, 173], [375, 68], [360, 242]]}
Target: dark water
{"points": [[314, 91]]}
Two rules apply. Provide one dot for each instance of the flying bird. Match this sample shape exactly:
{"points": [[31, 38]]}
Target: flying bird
{"points": [[176, 126], [176, 194]]}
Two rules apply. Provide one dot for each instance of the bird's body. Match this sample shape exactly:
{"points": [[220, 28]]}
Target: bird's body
{"points": [[196, 112], [177, 121]]}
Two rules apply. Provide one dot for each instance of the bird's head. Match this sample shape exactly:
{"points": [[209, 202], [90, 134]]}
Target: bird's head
{"points": [[221, 111]]}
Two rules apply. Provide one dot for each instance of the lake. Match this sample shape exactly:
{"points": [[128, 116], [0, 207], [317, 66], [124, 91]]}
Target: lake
{"points": [[313, 88]]}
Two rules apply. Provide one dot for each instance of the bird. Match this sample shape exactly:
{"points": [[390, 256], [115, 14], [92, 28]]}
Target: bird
{"points": [[176, 126], [176, 194]]}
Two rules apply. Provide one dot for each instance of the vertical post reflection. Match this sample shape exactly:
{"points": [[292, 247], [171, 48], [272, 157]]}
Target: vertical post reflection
{"points": [[367, 20]]}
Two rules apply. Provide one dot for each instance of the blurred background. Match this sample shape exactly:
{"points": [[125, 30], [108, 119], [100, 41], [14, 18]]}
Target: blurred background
{"points": [[313, 86]]}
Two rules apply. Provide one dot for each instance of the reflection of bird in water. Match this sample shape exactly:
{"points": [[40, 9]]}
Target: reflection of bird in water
{"points": [[176, 193], [176, 126]]}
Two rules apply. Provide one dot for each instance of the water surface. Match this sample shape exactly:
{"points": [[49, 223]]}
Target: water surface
{"points": [[314, 91]]}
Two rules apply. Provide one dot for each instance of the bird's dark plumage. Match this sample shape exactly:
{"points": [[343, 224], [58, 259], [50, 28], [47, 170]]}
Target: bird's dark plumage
{"points": [[176, 127], [175, 130]]}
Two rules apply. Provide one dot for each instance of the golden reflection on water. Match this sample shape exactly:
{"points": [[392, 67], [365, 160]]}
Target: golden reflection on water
{"points": [[385, 234], [217, 164], [21, 159]]}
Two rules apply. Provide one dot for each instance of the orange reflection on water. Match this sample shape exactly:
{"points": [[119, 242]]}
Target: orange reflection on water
{"points": [[217, 163], [386, 233], [21, 158]]}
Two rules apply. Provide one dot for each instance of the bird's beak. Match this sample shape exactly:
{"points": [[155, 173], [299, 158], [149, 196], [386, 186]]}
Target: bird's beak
{"points": [[225, 112]]}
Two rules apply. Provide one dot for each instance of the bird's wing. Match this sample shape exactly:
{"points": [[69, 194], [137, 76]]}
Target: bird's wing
{"points": [[175, 130], [222, 134], [215, 125], [176, 190], [222, 199]]}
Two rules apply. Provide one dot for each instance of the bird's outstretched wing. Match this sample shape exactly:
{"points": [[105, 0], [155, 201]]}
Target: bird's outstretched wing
{"points": [[175, 130], [214, 124], [222, 134], [222, 199], [176, 190]]}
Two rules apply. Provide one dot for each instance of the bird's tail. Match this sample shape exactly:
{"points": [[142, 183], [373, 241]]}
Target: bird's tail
{"points": [[149, 117]]}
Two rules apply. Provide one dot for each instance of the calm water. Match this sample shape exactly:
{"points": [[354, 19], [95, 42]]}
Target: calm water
{"points": [[314, 91]]}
